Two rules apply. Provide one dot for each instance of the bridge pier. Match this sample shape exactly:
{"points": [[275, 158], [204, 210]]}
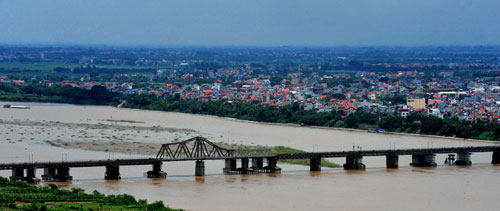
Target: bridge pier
{"points": [[354, 163], [245, 169], [272, 165], [495, 158], [463, 159], [230, 165], [315, 164], [244, 163], [392, 161], [48, 173], [31, 172], [257, 163], [62, 174], [17, 174], [112, 172], [450, 160], [156, 172], [423, 160], [31, 175], [200, 168]]}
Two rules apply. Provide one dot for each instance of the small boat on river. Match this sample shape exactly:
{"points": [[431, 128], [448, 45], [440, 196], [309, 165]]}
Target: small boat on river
{"points": [[14, 106]]}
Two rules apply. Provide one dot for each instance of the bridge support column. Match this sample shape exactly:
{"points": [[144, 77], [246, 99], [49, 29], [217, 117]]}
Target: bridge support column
{"points": [[392, 161], [463, 159], [495, 157], [31, 172], [257, 163], [49, 173], [31, 175], [315, 164], [272, 165], [62, 174], [17, 174], [450, 160], [112, 172], [230, 166], [156, 172], [354, 163], [244, 163], [245, 169], [200, 168], [423, 160]]}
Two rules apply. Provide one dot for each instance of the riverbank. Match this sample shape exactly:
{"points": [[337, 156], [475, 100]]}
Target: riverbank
{"points": [[291, 113], [339, 128], [110, 124], [262, 123]]}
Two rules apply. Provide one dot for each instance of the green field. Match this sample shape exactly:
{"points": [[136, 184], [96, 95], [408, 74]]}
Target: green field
{"points": [[34, 66], [51, 66], [16, 195]]}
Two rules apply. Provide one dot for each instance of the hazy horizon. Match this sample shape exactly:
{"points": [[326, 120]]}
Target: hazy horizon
{"points": [[155, 46], [259, 23]]}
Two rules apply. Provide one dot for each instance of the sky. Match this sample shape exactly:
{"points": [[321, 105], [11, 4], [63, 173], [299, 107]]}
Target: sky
{"points": [[251, 22]]}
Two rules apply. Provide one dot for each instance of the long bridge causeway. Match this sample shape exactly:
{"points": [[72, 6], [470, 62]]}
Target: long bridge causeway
{"points": [[200, 149]]}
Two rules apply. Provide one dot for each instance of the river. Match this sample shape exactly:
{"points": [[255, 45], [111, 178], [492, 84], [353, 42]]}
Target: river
{"points": [[25, 134]]}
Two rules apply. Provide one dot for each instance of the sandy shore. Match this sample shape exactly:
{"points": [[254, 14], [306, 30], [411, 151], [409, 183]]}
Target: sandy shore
{"points": [[94, 127]]}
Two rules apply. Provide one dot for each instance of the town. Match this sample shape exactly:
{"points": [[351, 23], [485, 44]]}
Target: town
{"points": [[467, 89]]}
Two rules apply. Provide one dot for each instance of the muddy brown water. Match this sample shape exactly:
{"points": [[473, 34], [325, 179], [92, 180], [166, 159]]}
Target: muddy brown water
{"points": [[441, 188]]}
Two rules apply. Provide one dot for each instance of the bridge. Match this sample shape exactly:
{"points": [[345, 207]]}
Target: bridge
{"points": [[199, 149]]}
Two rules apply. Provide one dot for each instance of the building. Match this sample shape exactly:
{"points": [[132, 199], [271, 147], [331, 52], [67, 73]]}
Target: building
{"points": [[403, 112], [416, 103]]}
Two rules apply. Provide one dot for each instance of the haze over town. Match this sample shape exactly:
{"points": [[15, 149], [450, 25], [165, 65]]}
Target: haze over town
{"points": [[251, 23]]}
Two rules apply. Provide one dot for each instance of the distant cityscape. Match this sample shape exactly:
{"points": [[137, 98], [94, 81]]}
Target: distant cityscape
{"points": [[445, 82]]}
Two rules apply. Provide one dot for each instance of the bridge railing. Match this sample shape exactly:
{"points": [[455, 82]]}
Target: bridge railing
{"points": [[251, 152]]}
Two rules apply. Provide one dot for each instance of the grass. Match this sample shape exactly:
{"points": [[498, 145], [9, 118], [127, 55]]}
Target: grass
{"points": [[51, 143], [364, 126], [487, 135], [61, 206], [127, 121], [47, 66], [306, 162]]}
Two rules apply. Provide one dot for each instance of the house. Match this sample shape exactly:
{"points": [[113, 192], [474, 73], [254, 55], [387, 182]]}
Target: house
{"points": [[403, 112]]}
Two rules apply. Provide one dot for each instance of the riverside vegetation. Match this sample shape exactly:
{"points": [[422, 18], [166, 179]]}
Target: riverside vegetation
{"points": [[293, 113], [17, 195], [306, 162]]}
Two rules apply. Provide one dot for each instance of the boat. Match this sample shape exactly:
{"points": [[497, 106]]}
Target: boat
{"points": [[14, 106]]}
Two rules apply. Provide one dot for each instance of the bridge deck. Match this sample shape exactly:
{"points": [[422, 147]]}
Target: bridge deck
{"points": [[389, 152], [150, 161]]}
